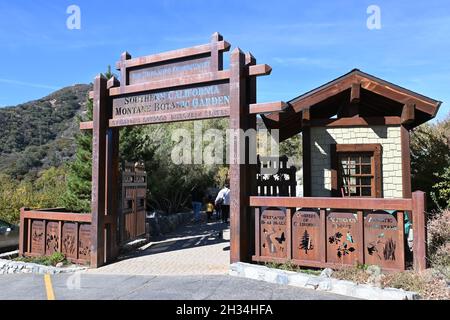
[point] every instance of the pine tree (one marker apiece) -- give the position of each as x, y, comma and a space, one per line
78, 192
77, 197
305, 243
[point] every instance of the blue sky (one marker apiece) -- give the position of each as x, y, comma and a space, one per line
307, 43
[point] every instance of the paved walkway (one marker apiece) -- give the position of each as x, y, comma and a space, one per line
194, 249
86, 286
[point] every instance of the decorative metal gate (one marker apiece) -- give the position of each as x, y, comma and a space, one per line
133, 203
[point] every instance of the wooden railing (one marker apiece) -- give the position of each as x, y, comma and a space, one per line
333, 232
43, 232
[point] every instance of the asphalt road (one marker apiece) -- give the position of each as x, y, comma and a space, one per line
84, 286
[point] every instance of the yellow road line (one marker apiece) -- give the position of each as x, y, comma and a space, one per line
49, 287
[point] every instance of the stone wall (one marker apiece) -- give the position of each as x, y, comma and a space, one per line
10, 266
160, 223
387, 136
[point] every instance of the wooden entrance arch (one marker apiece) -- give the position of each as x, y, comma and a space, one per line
185, 84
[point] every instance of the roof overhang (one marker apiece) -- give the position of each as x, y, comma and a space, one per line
374, 96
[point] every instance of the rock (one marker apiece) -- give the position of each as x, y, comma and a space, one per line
59, 265
373, 270
313, 282
326, 273
324, 285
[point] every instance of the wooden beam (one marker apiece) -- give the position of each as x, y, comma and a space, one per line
355, 94
100, 124
199, 114
216, 54
237, 174
306, 152
355, 121
53, 216
267, 107
408, 113
334, 203
112, 82
259, 70
171, 83
398, 95
171, 55
352, 110
406, 162
87, 125
306, 117
321, 94
419, 231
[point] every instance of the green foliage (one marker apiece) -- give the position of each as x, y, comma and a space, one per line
292, 148
77, 197
51, 260
169, 184
44, 192
430, 162
38, 134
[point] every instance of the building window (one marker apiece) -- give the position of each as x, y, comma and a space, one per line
356, 170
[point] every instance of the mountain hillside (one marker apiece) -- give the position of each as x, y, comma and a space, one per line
39, 134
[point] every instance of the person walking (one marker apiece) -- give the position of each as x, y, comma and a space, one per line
197, 198
209, 208
223, 197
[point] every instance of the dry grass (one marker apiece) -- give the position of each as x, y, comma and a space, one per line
430, 284
356, 274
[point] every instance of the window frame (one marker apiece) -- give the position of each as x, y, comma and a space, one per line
374, 148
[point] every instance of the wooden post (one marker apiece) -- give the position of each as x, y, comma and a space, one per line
306, 146
289, 233
123, 70
401, 239
22, 239
112, 179
323, 236
98, 171
216, 54
238, 184
406, 162
251, 154
419, 231
360, 249
257, 234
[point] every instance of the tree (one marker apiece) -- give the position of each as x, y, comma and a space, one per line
305, 243
430, 162
77, 197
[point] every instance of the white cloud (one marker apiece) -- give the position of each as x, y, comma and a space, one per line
28, 84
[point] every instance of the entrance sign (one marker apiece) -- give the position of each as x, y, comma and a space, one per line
198, 102
176, 69
179, 85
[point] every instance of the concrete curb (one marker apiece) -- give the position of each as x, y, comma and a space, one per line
10, 267
322, 283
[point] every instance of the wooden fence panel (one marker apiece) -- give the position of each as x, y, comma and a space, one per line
336, 232
48, 231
